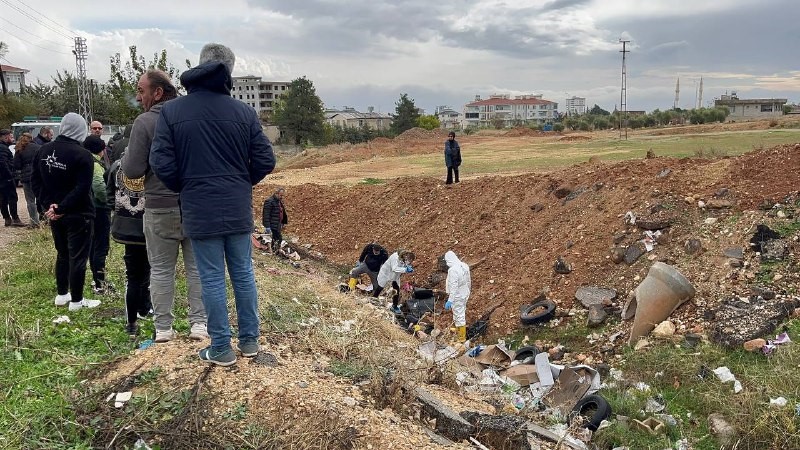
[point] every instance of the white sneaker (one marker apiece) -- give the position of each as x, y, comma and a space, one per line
199, 332
85, 303
165, 335
62, 300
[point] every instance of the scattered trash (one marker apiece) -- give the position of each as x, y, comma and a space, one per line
650, 238
140, 444
543, 370
650, 425
771, 345
345, 326
61, 319
654, 405
473, 352
495, 355
724, 374
145, 344
121, 398
630, 218
779, 402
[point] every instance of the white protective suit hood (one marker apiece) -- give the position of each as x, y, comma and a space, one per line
459, 281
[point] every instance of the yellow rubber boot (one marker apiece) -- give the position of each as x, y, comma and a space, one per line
462, 334
352, 283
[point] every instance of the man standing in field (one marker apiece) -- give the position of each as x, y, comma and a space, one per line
452, 157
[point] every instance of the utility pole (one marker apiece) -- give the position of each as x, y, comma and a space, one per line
84, 100
623, 95
700, 95
677, 94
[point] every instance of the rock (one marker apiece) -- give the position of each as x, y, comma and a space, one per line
642, 343
617, 255
656, 221
664, 330
762, 234
618, 238
710, 221
349, 401
691, 340
716, 203
734, 252
736, 263
302, 384
597, 315
754, 344
777, 277
763, 292
664, 173
723, 192
701, 204
593, 295
536, 207
633, 253
774, 250
736, 321
721, 429
563, 191
781, 214
562, 266
693, 246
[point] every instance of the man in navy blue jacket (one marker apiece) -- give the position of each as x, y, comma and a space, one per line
210, 148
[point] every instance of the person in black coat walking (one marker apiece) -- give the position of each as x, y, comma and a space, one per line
274, 217
8, 185
452, 157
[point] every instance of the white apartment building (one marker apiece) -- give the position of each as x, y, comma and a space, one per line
15, 78
574, 106
449, 118
522, 109
257, 93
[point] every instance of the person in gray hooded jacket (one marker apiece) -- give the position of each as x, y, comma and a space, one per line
163, 225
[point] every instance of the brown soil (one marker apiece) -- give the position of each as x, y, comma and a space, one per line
495, 219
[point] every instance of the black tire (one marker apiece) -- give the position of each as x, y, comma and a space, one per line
526, 352
596, 403
422, 294
541, 311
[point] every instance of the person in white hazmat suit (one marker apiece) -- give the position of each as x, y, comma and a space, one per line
399, 263
458, 285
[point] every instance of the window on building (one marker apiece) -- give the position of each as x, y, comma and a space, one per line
240, 96
283, 88
766, 108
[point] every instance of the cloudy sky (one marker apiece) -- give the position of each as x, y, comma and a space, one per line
367, 52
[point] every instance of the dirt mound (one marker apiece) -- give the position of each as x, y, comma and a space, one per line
575, 137
419, 134
518, 227
381, 141
524, 131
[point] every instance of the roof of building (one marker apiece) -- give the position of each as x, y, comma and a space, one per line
359, 115
740, 101
6, 68
510, 101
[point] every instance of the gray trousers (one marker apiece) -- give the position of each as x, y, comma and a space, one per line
362, 268
163, 233
30, 201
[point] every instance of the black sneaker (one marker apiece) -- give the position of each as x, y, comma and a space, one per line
132, 329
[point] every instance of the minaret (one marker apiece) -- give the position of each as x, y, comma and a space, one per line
677, 93
700, 97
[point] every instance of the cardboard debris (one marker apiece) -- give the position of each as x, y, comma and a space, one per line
543, 369
572, 385
496, 356
523, 374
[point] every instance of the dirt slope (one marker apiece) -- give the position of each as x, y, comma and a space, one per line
518, 226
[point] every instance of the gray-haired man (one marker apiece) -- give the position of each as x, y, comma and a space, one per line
211, 149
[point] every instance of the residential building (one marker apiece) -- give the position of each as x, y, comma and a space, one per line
15, 78
449, 118
574, 106
259, 94
756, 108
350, 118
521, 109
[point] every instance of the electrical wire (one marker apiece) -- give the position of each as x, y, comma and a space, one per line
36, 19
49, 19
26, 41
34, 34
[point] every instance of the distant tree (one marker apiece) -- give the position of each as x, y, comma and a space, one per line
13, 108
787, 109
299, 113
602, 123
598, 111
124, 78
405, 116
428, 122
3, 53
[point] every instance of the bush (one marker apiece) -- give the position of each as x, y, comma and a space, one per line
558, 127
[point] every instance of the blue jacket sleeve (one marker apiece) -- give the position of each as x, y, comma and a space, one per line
262, 158
163, 159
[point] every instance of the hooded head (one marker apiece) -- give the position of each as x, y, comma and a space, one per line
214, 71
451, 259
94, 144
73, 126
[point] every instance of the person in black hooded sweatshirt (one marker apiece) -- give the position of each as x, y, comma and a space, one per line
62, 181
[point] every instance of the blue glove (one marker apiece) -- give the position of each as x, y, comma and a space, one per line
409, 269
448, 305
267, 231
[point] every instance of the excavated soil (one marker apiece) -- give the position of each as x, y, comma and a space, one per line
517, 226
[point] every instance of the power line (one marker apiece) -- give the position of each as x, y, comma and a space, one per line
35, 45
33, 34
35, 19
49, 19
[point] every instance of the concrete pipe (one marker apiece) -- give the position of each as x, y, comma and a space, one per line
658, 295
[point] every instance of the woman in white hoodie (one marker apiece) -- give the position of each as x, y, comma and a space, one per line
458, 285
398, 264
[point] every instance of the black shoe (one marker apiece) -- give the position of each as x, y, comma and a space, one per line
132, 329
17, 223
8, 222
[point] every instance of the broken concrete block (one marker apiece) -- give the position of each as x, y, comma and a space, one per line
754, 345
448, 422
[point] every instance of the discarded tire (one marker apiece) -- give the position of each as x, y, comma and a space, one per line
421, 294
539, 312
526, 352
594, 408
